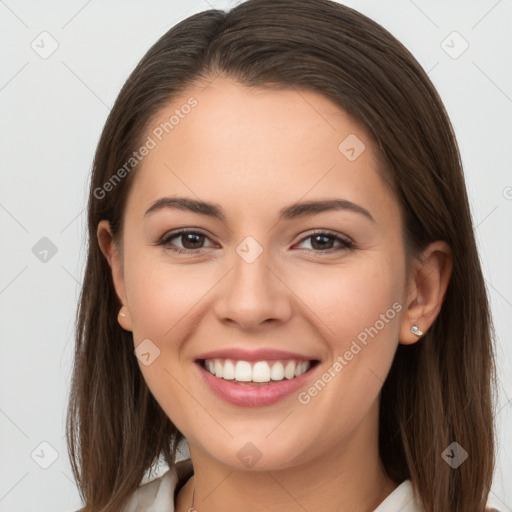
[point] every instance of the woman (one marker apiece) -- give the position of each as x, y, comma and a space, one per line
282, 270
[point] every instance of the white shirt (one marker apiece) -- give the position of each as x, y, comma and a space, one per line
158, 496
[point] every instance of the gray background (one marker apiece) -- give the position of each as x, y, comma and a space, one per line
52, 110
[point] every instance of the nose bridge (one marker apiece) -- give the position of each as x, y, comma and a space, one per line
253, 293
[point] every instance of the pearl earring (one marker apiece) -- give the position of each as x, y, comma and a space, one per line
415, 330
123, 318
122, 313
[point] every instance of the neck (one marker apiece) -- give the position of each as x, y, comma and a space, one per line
345, 478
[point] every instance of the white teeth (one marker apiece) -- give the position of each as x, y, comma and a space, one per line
228, 372
289, 370
277, 371
260, 371
243, 371
301, 368
218, 368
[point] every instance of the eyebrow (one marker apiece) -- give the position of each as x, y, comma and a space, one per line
292, 211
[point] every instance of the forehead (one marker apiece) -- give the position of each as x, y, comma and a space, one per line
252, 146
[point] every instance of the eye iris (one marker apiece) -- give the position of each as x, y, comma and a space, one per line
327, 245
195, 238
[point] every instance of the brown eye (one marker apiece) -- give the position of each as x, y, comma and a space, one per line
188, 241
192, 240
324, 242
319, 242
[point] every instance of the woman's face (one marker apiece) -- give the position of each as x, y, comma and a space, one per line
255, 279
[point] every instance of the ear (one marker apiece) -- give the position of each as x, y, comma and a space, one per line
426, 289
114, 259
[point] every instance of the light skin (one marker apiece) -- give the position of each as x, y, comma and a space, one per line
252, 152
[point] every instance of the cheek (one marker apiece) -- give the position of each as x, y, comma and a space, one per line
166, 303
163, 296
358, 312
371, 305
347, 301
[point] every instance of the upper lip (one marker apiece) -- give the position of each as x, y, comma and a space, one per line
261, 354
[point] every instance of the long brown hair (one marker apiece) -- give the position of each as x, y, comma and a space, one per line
439, 390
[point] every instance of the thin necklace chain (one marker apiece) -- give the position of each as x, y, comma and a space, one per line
192, 509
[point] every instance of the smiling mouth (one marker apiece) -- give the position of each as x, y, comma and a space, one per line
256, 373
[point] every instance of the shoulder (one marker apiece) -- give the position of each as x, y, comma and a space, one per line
158, 493
404, 498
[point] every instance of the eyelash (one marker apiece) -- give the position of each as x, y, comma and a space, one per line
346, 244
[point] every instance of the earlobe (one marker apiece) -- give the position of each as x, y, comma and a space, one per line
124, 319
428, 283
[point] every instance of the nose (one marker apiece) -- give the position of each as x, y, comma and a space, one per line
253, 295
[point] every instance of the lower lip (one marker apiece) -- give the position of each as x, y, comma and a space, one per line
253, 396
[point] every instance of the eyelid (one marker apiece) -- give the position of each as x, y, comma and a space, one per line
327, 232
